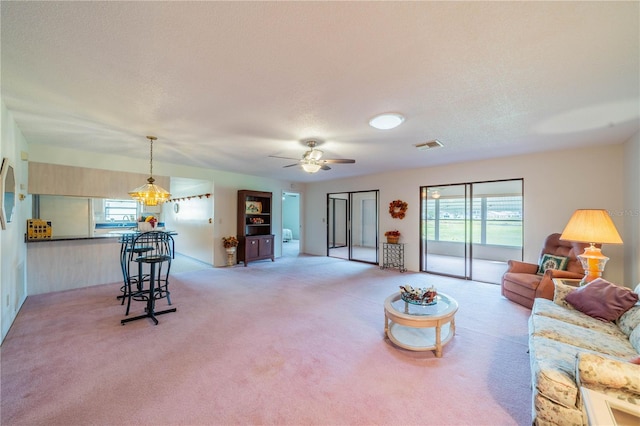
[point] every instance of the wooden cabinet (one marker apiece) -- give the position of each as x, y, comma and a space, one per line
255, 239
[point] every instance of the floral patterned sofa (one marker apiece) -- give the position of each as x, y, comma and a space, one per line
569, 349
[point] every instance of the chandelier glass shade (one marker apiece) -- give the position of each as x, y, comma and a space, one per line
150, 194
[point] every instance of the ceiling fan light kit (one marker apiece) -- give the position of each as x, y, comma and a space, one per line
311, 167
386, 121
312, 161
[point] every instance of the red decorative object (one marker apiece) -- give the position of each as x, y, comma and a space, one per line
397, 209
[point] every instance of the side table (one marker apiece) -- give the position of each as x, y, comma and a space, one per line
393, 256
602, 409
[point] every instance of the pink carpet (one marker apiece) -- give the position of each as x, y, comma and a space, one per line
296, 342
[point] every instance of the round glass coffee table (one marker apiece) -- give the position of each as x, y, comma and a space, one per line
420, 327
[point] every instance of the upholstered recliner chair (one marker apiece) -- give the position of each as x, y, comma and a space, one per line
521, 283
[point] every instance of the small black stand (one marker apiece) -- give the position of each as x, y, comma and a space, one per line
393, 256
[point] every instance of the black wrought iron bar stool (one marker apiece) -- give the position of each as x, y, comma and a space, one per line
136, 278
158, 259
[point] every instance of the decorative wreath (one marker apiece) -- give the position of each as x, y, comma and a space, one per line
397, 209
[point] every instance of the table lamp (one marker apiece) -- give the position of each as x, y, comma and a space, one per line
593, 227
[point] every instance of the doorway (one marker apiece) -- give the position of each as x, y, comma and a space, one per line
471, 230
352, 225
290, 224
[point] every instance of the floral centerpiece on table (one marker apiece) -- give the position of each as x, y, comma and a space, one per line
419, 296
229, 242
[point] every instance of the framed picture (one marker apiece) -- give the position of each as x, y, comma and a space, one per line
253, 207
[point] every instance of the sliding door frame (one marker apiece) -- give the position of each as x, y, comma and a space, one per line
469, 216
352, 197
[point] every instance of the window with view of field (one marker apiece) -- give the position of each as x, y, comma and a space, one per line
492, 220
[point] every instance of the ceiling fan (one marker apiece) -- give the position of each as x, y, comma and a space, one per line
312, 160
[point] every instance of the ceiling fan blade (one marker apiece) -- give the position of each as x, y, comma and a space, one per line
290, 165
340, 161
286, 158
325, 167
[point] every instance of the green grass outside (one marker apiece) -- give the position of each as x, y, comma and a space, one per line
499, 232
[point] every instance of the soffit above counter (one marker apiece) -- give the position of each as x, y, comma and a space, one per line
55, 179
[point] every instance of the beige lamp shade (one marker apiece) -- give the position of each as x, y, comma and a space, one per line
591, 226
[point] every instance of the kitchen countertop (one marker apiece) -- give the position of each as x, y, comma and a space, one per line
107, 236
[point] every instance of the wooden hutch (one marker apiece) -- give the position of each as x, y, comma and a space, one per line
255, 239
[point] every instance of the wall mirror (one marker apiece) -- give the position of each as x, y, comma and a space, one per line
7, 193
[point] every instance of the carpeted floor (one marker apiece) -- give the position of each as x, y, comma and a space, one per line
294, 342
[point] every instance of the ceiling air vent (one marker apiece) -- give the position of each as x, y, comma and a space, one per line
429, 145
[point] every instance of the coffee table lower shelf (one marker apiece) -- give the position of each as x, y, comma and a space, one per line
420, 339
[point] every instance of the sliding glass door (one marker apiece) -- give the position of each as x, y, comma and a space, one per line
352, 231
471, 230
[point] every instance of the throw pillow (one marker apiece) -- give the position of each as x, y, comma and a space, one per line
549, 261
629, 320
560, 295
602, 300
634, 339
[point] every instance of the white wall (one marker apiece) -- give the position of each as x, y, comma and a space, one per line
631, 231
555, 184
193, 221
12, 247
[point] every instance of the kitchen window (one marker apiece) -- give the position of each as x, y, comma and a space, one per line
120, 210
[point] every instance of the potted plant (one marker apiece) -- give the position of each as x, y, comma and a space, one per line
230, 242
392, 236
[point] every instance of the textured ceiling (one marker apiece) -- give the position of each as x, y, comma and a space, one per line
226, 84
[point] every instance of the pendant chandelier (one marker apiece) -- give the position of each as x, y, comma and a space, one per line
150, 194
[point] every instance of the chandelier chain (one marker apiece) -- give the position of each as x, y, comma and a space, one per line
151, 160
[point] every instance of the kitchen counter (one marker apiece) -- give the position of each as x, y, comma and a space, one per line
117, 232
69, 263
74, 238
66, 263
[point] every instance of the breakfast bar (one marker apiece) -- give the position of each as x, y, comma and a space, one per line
66, 263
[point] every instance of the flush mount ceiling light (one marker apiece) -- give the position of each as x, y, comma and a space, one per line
386, 121
150, 194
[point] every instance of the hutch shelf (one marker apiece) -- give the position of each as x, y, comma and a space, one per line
255, 238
